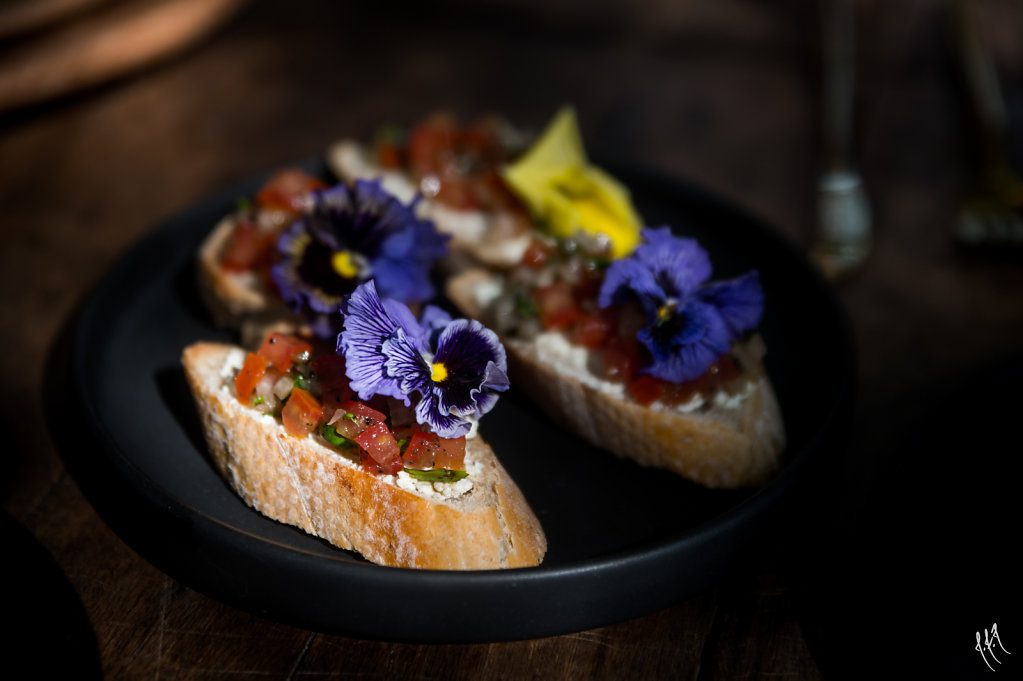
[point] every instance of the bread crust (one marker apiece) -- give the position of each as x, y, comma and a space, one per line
305, 483
715, 445
235, 300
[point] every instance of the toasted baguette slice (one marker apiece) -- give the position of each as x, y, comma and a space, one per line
232, 298
306, 483
493, 239
723, 441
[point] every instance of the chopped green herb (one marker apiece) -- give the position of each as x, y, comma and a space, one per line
403, 444
300, 382
524, 305
258, 400
331, 435
436, 475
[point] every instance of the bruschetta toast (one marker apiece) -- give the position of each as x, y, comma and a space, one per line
717, 424
286, 257
456, 170
392, 468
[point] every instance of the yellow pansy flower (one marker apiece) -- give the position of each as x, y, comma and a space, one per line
566, 194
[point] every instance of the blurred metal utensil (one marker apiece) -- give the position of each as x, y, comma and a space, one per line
993, 217
842, 237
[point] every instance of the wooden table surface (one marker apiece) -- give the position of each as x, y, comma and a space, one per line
898, 572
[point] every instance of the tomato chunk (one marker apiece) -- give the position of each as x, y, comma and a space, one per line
592, 329
422, 450
358, 417
249, 376
646, 389
286, 190
302, 413
248, 248
281, 349
452, 454
622, 358
379, 443
428, 450
556, 305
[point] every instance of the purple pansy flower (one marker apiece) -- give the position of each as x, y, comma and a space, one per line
453, 369
349, 235
690, 321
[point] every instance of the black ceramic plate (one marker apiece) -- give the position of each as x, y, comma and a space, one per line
623, 540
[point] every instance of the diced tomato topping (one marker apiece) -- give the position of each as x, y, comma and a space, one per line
281, 349
334, 384
646, 389
389, 155
248, 248
680, 393
535, 255
556, 305
286, 190
379, 443
622, 358
249, 376
593, 329
358, 417
431, 145
724, 369
422, 451
302, 413
427, 450
452, 454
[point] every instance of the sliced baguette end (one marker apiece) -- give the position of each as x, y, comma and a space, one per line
717, 447
305, 483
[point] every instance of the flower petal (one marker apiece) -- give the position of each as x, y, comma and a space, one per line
366, 326
630, 279
684, 346
679, 265
739, 301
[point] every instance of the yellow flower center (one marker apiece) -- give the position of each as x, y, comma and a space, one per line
665, 311
344, 264
439, 372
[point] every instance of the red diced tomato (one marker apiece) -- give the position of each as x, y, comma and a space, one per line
379, 443
593, 329
622, 359
302, 413
723, 370
646, 389
334, 384
286, 190
364, 415
249, 376
389, 155
247, 248
431, 145
422, 450
556, 305
680, 393
281, 349
535, 255
452, 454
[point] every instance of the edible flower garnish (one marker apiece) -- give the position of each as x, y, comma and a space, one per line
690, 322
567, 194
452, 369
349, 235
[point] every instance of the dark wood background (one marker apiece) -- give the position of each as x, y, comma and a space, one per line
897, 574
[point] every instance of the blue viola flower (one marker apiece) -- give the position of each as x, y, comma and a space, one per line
690, 322
349, 235
452, 369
